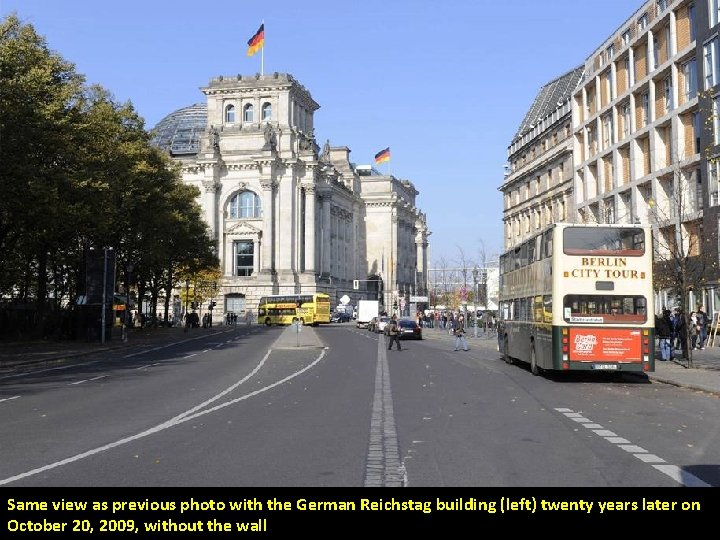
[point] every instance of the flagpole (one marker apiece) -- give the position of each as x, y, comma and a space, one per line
262, 52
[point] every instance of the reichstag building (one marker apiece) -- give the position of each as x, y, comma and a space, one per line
288, 216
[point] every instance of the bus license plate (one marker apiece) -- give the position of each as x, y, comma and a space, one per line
604, 366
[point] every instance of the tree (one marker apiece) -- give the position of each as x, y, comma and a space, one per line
683, 261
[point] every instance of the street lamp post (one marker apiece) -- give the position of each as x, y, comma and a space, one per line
475, 294
128, 319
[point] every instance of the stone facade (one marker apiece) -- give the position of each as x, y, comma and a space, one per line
288, 216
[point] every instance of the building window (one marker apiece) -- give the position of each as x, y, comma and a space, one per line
690, 75
691, 19
625, 112
713, 174
645, 100
661, 5
714, 9
625, 37
248, 113
245, 205
267, 111
244, 255
642, 21
696, 122
607, 130
229, 114
610, 52
667, 83
716, 120
710, 52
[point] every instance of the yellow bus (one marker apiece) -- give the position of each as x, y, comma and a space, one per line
283, 309
578, 297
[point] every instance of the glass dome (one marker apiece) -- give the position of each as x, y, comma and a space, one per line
179, 132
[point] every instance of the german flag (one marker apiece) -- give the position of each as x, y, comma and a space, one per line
382, 156
256, 42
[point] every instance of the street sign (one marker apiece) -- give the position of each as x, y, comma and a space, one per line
419, 299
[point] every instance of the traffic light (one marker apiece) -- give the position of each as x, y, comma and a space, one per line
395, 304
192, 305
212, 305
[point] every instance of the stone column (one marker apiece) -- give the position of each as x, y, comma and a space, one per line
268, 235
326, 233
310, 229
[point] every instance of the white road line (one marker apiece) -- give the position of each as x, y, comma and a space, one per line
179, 419
78, 382
9, 398
98, 377
673, 471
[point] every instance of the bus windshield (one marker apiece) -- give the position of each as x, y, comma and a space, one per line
627, 242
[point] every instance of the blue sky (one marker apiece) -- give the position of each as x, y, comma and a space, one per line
444, 84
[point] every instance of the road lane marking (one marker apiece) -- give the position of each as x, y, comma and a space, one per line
179, 419
9, 398
673, 471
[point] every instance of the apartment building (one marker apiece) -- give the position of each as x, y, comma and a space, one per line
646, 129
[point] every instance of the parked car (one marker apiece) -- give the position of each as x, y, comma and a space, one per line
409, 329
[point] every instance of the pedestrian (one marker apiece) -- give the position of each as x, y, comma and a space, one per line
702, 322
393, 332
693, 331
459, 332
663, 330
682, 332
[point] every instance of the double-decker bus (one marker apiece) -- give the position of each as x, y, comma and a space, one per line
310, 309
579, 297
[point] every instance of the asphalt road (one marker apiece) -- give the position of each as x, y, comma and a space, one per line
241, 409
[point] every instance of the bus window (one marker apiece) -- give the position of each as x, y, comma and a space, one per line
598, 309
626, 242
547, 244
538, 309
531, 251
547, 308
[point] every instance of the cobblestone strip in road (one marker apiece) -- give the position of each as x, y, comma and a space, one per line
384, 467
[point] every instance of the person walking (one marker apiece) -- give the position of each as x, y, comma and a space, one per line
693, 331
459, 332
394, 333
702, 323
663, 329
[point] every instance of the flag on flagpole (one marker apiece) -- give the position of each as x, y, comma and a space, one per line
256, 42
382, 156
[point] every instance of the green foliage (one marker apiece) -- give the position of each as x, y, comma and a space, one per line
79, 171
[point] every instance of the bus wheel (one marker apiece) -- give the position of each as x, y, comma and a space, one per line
267, 321
294, 320
506, 353
534, 369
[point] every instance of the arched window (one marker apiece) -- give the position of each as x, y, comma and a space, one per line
248, 113
229, 114
244, 205
267, 111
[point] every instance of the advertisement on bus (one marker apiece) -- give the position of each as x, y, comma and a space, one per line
605, 345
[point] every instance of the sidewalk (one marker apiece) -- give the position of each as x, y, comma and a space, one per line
703, 376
